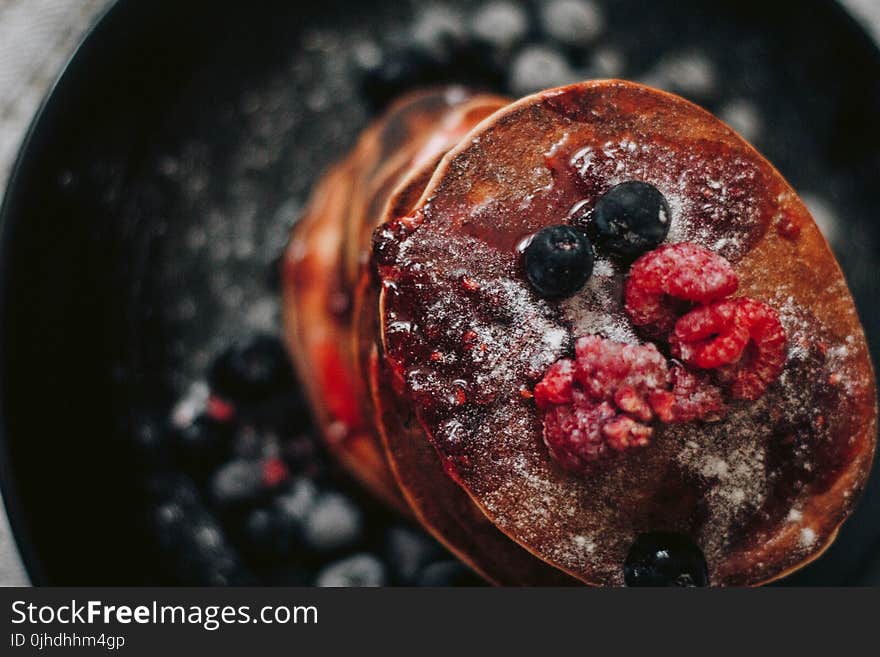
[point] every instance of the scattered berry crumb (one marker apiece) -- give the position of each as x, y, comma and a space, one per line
220, 409
275, 472
788, 226
469, 284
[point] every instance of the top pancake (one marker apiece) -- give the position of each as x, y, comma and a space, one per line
761, 491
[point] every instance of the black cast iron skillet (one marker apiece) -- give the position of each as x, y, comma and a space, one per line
177, 116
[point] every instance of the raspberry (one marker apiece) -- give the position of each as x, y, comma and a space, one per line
788, 226
628, 400
604, 368
573, 433
599, 403
623, 432
765, 356
555, 387
684, 272
275, 472
219, 409
710, 336
605, 400
742, 338
694, 397
663, 404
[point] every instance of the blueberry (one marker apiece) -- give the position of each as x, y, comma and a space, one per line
631, 218
204, 440
207, 557
260, 527
558, 261
295, 505
538, 67
408, 64
665, 559
439, 30
357, 570
252, 371
448, 573
265, 534
150, 438
169, 520
402, 66
194, 546
572, 22
174, 487
236, 482
689, 73
408, 551
333, 523
501, 24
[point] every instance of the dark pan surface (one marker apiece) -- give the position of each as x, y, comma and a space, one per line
160, 180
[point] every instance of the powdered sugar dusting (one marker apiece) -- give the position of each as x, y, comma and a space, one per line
479, 336
731, 463
807, 536
598, 308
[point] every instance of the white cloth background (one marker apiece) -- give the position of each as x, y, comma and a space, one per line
36, 37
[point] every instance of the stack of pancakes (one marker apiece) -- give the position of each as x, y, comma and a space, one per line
442, 190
